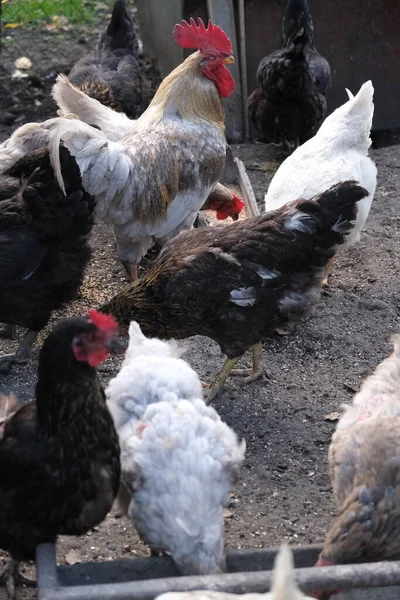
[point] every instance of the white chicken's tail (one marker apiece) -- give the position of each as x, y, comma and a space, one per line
24, 140
71, 100
350, 124
284, 586
85, 144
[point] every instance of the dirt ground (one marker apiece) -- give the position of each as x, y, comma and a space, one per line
284, 492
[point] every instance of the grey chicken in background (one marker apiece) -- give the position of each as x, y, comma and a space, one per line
111, 74
289, 103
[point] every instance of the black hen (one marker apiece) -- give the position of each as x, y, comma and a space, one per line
59, 456
239, 283
111, 74
289, 104
43, 244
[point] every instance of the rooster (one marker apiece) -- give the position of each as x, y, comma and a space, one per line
290, 102
338, 151
241, 282
44, 245
111, 74
151, 183
364, 467
59, 454
178, 459
283, 585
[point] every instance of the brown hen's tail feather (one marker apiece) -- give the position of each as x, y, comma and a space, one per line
332, 213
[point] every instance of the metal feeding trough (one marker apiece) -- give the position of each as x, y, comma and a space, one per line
248, 571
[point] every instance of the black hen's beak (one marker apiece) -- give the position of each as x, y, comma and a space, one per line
115, 345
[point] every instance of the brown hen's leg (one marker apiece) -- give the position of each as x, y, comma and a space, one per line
131, 270
11, 578
22, 355
218, 382
328, 268
258, 369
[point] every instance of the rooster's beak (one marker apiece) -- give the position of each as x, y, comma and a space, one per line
229, 60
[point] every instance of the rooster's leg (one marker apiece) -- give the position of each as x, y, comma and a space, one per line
22, 355
328, 268
11, 577
258, 369
7, 331
218, 382
131, 270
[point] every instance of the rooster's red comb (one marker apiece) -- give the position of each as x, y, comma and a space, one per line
190, 35
102, 321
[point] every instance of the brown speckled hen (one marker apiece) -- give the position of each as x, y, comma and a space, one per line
239, 283
59, 456
365, 472
111, 74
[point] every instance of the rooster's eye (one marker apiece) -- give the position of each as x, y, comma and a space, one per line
211, 58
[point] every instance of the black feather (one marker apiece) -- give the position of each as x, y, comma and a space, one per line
59, 457
111, 74
43, 239
290, 102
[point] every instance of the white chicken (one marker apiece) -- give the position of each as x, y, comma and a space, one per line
338, 152
151, 369
283, 586
179, 462
178, 459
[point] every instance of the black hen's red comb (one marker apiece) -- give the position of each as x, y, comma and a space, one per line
190, 35
102, 321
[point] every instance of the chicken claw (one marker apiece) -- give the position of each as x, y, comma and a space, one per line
11, 577
258, 371
21, 356
218, 382
328, 268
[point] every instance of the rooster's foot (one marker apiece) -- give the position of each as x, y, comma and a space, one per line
11, 578
131, 270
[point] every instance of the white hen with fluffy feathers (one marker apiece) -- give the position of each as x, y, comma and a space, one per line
338, 152
179, 463
151, 369
178, 459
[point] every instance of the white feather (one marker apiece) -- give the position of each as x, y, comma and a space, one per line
72, 101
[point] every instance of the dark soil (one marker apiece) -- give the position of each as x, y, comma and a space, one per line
284, 492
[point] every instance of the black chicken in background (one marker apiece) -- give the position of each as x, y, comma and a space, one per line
111, 74
289, 104
43, 245
59, 454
